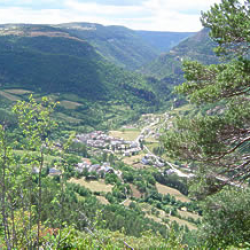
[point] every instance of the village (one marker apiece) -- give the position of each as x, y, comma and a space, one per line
106, 143
99, 143
109, 144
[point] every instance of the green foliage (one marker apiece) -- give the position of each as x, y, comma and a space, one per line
20, 187
226, 219
216, 142
119, 45
39, 210
134, 223
111, 179
229, 24
168, 67
106, 240
172, 181
69, 69
7, 118
128, 176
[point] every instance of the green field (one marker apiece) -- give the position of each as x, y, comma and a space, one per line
69, 104
18, 91
162, 189
48, 158
10, 97
94, 186
128, 135
161, 216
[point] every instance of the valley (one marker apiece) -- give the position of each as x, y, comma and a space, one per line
130, 145
118, 117
98, 154
130, 148
114, 138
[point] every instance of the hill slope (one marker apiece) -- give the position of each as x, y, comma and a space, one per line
50, 61
164, 41
117, 44
168, 66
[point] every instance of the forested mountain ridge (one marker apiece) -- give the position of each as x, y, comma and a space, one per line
49, 61
125, 47
119, 45
122, 46
68, 59
168, 66
59, 64
164, 41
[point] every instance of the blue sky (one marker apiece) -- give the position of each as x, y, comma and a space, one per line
157, 15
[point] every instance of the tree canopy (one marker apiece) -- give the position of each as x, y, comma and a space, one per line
217, 141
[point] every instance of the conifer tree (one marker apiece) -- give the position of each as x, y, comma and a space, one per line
218, 141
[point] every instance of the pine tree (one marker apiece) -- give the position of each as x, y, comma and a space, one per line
218, 141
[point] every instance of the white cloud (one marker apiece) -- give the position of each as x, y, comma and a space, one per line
162, 15
95, 8
48, 16
177, 15
180, 5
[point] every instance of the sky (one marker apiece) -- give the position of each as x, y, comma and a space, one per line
155, 15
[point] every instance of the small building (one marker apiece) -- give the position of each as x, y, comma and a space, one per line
54, 171
107, 169
87, 161
135, 151
115, 144
157, 136
98, 143
160, 164
169, 171
145, 160
59, 145
106, 164
107, 150
127, 153
90, 143
35, 170
94, 167
134, 144
81, 166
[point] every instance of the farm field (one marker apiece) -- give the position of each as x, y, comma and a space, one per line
163, 215
133, 159
129, 135
94, 186
186, 214
135, 192
174, 192
182, 222
18, 91
69, 104
10, 97
48, 158
103, 200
